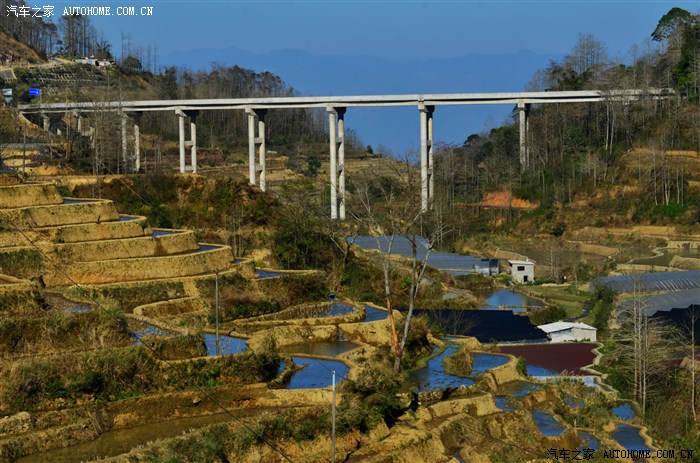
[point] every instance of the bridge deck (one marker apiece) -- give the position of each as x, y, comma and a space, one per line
353, 101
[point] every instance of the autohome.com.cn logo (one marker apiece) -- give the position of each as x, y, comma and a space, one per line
24, 11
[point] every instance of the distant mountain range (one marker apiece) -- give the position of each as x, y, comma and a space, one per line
396, 128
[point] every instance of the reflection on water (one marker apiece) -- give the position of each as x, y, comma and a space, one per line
373, 315
323, 348
157, 233
148, 330
520, 388
667, 256
628, 436
504, 298
589, 440
316, 373
504, 403
483, 362
124, 218
433, 376
484, 325
77, 201
547, 424
267, 274
227, 344
534, 370
625, 412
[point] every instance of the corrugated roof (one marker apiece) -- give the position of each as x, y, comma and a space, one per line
650, 282
521, 262
562, 326
663, 302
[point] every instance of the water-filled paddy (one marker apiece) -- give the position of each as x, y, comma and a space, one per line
503, 298
373, 315
628, 436
323, 348
547, 424
483, 362
589, 440
78, 201
227, 344
485, 325
504, 403
624, 412
262, 274
433, 376
157, 233
316, 373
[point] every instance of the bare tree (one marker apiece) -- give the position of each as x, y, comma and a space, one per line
389, 208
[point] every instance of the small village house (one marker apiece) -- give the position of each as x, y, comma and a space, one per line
569, 332
523, 271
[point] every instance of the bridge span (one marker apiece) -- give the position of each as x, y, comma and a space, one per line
336, 106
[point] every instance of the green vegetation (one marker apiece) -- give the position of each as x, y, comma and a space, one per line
602, 305
550, 314
23, 263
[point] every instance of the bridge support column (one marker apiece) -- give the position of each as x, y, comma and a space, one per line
193, 139
136, 120
251, 145
523, 113
427, 184
124, 142
332, 138
258, 142
262, 149
341, 162
181, 130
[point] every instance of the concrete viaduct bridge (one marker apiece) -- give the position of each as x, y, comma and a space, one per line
336, 106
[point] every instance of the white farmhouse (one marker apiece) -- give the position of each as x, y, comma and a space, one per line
523, 271
569, 331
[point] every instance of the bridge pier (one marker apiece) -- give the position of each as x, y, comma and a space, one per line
427, 183
524, 122
258, 142
192, 143
136, 120
193, 139
341, 162
124, 141
336, 138
181, 132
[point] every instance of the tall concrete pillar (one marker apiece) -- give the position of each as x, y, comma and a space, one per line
137, 143
47, 122
251, 145
262, 149
193, 138
423, 157
523, 110
181, 128
333, 164
124, 142
341, 162
431, 147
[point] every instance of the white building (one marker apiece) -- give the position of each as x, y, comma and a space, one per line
523, 271
569, 331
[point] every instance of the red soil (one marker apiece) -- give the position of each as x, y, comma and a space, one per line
570, 357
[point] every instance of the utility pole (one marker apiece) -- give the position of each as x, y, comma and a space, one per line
218, 350
333, 425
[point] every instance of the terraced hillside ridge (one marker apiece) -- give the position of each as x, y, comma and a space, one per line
69, 241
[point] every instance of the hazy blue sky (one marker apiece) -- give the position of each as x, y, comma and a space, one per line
387, 29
